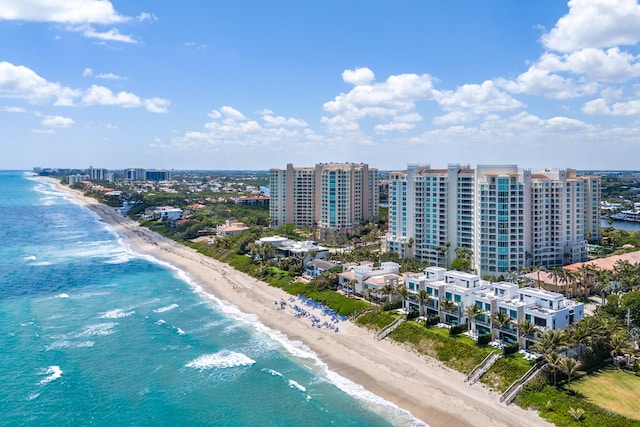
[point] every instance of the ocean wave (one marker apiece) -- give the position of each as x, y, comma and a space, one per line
41, 263
63, 295
166, 308
116, 314
99, 329
274, 372
69, 344
29, 258
296, 385
223, 359
54, 373
119, 259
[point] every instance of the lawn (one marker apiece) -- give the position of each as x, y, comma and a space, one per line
612, 389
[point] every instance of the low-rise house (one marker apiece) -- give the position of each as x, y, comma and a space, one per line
353, 277
231, 228
304, 251
167, 213
319, 266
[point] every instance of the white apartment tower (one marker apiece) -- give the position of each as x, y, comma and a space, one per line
329, 195
506, 217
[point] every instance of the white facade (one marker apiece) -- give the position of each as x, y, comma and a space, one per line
504, 217
544, 309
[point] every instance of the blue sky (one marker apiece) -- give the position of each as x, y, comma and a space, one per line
258, 84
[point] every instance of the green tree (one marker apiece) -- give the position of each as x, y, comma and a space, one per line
473, 312
501, 319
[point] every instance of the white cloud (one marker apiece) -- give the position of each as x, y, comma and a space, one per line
611, 65
397, 95
540, 81
231, 128
100, 95
400, 123
231, 113
455, 117
13, 110
478, 99
595, 23
600, 107
109, 35
145, 16
87, 72
110, 76
44, 131
359, 76
271, 120
57, 121
22, 83
61, 11
157, 105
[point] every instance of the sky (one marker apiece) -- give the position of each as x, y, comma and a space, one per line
254, 85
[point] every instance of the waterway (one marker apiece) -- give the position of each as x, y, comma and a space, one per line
621, 225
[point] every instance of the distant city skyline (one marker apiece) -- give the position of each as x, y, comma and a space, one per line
254, 85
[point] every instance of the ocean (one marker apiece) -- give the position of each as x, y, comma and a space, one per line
93, 334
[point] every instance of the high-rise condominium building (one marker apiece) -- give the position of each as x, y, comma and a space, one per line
501, 217
329, 195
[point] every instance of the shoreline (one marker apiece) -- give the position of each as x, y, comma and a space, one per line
424, 387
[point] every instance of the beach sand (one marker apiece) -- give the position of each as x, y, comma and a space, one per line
421, 385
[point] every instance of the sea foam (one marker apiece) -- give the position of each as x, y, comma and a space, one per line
223, 359
165, 309
53, 372
116, 314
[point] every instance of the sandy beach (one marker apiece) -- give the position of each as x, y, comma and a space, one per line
423, 386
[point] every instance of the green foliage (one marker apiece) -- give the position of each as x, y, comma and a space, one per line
387, 306
484, 339
432, 321
511, 349
458, 329
554, 405
413, 314
505, 372
376, 319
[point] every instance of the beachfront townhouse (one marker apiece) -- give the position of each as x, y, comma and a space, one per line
501, 306
447, 293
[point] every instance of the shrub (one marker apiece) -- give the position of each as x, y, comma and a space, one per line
413, 314
484, 339
432, 321
458, 329
388, 306
511, 348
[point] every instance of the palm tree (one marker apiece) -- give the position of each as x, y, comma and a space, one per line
422, 297
387, 290
473, 312
587, 273
556, 273
527, 329
402, 292
576, 413
351, 286
502, 319
619, 344
553, 361
551, 340
537, 269
448, 305
569, 366
569, 278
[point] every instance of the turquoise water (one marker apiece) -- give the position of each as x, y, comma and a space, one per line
91, 334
